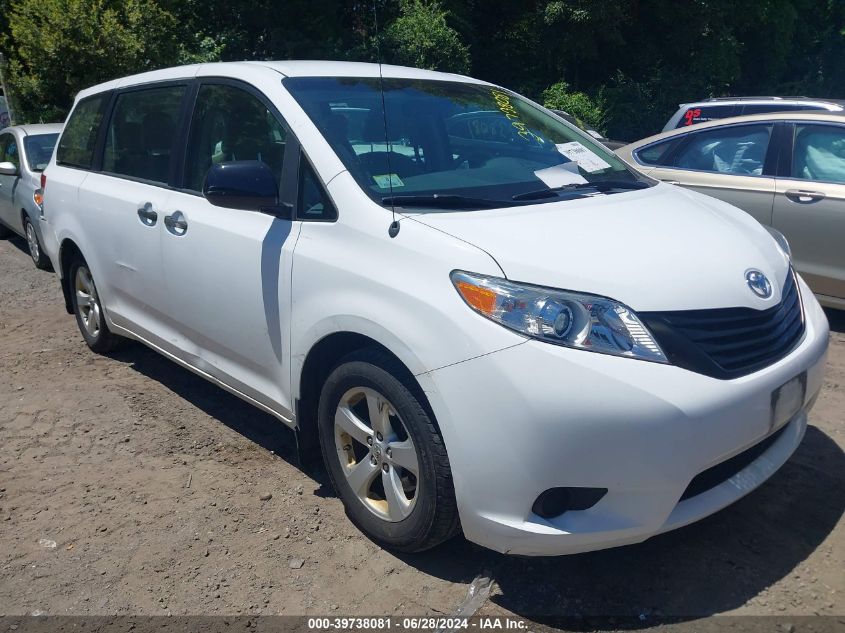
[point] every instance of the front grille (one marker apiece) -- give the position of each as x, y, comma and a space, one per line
730, 342
712, 477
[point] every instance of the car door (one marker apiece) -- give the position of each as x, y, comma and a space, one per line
124, 201
9, 152
809, 205
228, 270
729, 162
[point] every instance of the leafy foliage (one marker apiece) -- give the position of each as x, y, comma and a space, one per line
621, 65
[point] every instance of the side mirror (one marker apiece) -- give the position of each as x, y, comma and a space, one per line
249, 185
8, 169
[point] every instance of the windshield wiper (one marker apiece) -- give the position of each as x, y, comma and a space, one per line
442, 201
599, 185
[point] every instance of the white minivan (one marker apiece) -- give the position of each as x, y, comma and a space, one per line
485, 320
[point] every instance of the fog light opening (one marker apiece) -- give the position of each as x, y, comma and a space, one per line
555, 501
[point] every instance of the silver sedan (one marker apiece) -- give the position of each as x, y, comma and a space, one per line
24, 152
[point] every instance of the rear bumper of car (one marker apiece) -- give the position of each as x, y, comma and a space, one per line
536, 416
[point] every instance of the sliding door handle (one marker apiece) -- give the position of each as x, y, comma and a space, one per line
147, 215
176, 223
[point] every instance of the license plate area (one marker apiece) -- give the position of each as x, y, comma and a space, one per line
787, 400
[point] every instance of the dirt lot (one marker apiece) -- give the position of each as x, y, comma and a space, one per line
149, 481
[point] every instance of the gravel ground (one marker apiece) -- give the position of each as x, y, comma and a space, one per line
130, 486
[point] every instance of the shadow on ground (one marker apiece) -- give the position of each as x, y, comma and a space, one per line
836, 319
710, 567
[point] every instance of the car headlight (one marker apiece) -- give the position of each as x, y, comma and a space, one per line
781, 240
572, 319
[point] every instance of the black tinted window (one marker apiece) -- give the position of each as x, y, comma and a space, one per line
230, 125
314, 202
739, 149
76, 147
141, 133
775, 107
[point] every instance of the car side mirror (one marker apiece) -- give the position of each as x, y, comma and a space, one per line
8, 168
248, 184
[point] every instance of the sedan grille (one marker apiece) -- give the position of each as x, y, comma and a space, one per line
730, 342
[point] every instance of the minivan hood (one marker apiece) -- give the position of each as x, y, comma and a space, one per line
662, 248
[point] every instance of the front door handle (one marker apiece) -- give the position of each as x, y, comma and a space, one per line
176, 223
147, 215
804, 197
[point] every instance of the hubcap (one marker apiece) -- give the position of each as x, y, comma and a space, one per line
376, 454
87, 302
32, 241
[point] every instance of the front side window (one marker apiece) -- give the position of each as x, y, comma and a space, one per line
11, 153
443, 138
230, 125
76, 146
141, 133
819, 153
39, 149
737, 149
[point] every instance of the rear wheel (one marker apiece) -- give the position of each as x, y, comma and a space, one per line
89, 310
385, 455
39, 258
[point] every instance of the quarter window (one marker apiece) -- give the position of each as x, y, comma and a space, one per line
76, 147
142, 132
231, 125
737, 149
819, 153
314, 202
655, 154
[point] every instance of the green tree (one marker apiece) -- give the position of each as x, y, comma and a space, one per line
421, 37
580, 105
62, 46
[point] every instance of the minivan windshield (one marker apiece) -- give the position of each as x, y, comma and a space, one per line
39, 150
454, 144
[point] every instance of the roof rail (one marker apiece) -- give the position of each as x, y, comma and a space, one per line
759, 98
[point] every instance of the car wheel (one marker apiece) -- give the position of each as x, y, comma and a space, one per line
39, 258
89, 310
385, 455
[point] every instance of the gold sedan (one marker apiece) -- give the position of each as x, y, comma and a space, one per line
785, 169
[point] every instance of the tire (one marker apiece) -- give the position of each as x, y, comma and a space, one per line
404, 437
95, 332
39, 258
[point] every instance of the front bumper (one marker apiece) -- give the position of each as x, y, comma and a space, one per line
537, 416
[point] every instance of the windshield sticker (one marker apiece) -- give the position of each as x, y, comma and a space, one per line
586, 159
503, 102
386, 181
560, 175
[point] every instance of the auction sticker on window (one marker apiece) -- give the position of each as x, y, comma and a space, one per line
385, 181
586, 159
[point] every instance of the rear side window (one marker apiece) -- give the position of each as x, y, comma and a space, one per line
39, 149
10, 151
230, 125
141, 133
774, 107
701, 114
76, 147
735, 149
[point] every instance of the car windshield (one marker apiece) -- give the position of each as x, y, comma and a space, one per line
39, 149
453, 141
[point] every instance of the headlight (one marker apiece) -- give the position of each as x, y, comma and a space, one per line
781, 241
564, 318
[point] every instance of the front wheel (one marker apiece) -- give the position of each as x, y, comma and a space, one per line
39, 258
89, 310
385, 455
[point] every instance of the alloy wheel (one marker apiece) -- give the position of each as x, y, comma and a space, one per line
32, 242
87, 302
377, 454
